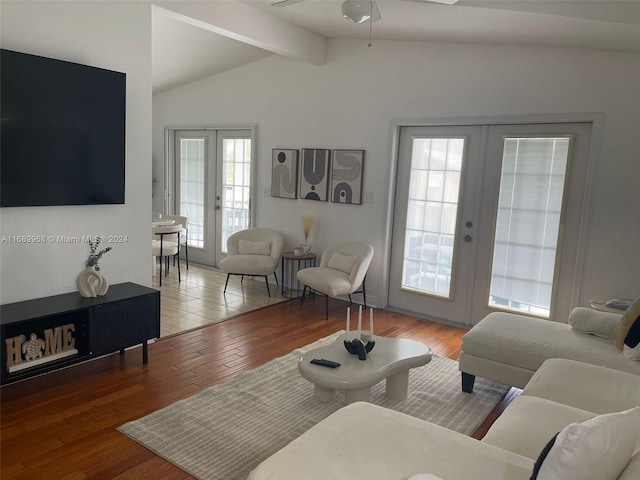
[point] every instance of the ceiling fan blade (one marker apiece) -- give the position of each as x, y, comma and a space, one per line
446, 2
286, 3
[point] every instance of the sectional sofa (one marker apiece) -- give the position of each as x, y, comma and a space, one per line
575, 418
364, 441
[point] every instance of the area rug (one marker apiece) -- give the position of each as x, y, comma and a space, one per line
226, 430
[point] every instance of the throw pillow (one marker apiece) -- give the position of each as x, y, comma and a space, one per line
246, 247
344, 263
629, 327
593, 322
598, 448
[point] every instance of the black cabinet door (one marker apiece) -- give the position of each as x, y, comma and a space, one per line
118, 325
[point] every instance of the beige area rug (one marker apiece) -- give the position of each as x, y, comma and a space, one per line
226, 430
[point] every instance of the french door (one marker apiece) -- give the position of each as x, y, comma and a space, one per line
486, 218
212, 187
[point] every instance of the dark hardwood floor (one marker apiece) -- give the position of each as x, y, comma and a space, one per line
63, 425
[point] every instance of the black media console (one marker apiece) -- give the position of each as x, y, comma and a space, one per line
46, 334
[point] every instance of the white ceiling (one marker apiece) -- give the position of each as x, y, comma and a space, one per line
196, 39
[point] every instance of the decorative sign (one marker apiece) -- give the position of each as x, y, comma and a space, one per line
58, 342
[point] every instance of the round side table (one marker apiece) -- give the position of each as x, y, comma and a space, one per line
600, 306
291, 264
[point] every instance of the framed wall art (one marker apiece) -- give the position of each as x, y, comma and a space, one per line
314, 173
284, 173
346, 176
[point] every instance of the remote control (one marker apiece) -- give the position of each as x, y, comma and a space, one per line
325, 363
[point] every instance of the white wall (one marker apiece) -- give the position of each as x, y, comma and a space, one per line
350, 101
112, 35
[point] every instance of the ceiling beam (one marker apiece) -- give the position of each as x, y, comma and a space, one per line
246, 24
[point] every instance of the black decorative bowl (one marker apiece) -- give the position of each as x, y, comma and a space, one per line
357, 347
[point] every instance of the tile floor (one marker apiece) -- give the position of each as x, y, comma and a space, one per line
198, 299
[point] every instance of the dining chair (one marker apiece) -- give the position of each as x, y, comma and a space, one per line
254, 252
342, 271
165, 243
184, 234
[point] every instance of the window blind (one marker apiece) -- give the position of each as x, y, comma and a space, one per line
528, 223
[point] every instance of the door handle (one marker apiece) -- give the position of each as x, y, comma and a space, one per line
467, 238
217, 207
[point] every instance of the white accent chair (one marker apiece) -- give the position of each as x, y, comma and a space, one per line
342, 271
254, 252
184, 234
165, 243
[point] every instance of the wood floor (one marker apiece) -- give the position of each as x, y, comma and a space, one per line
63, 425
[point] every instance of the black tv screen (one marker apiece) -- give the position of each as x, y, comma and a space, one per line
62, 137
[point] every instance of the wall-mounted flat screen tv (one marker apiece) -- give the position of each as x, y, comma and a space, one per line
62, 135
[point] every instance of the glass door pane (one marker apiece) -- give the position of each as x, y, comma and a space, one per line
236, 191
528, 223
431, 267
432, 214
488, 218
213, 188
192, 187
532, 209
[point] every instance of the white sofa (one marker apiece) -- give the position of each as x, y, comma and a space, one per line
370, 442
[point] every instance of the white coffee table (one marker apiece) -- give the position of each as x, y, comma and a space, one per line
391, 358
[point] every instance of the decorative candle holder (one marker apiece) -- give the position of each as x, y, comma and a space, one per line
357, 347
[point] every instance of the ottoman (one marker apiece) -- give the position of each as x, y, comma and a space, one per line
509, 348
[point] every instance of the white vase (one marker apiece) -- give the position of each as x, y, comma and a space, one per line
91, 283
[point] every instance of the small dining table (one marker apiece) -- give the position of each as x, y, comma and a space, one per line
162, 223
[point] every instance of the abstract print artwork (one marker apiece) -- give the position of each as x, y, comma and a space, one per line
346, 176
314, 174
284, 173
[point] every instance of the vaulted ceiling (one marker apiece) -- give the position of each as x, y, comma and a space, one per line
196, 39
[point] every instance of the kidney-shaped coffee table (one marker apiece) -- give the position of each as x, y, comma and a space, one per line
391, 358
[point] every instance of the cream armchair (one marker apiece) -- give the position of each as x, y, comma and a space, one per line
342, 271
254, 252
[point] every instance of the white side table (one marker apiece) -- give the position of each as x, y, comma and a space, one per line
291, 265
390, 359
